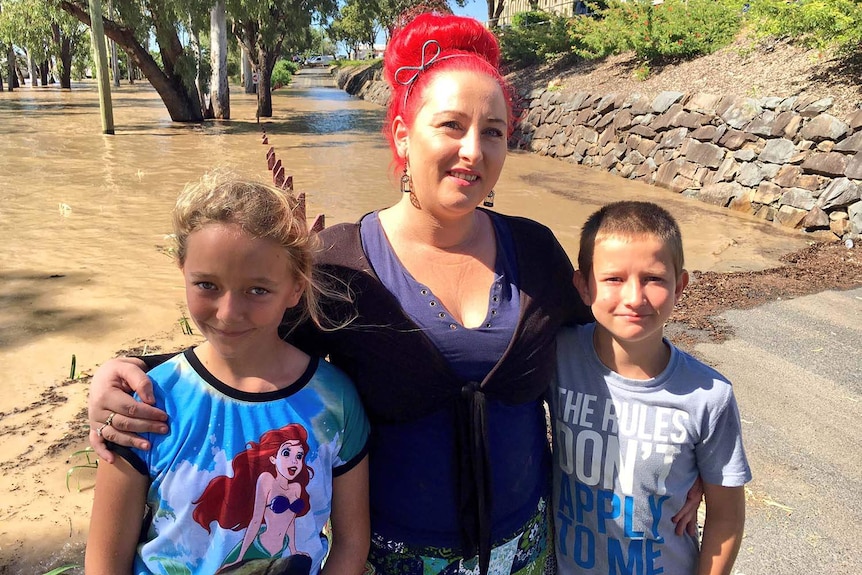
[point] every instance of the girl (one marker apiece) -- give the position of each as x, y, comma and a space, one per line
217, 499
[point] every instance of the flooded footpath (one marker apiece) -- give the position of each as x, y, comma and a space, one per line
84, 269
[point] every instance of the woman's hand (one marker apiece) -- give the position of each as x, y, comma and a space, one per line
686, 518
110, 391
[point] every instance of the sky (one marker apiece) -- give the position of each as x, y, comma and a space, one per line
476, 8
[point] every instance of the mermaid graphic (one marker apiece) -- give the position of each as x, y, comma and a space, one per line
275, 471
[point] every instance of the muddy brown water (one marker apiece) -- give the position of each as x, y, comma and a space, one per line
83, 268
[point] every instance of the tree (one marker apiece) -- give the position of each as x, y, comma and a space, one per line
393, 12
495, 9
356, 24
219, 90
44, 32
264, 27
68, 35
137, 20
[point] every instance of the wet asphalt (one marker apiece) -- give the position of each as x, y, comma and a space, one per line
796, 367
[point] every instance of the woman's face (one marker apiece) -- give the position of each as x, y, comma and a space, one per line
456, 147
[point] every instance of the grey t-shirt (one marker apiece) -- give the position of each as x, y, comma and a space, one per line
626, 452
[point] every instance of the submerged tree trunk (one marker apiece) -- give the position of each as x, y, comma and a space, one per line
64, 47
219, 88
46, 71
206, 108
180, 98
115, 61
10, 67
265, 64
247, 82
31, 68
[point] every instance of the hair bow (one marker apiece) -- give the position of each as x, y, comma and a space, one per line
423, 65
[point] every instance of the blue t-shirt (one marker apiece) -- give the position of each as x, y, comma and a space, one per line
627, 451
306, 433
426, 484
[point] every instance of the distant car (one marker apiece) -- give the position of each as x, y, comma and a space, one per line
325, 60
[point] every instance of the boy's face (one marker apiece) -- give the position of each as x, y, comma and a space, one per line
632, 287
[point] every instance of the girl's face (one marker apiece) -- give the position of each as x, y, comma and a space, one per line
238, 288
289, 459
456, 147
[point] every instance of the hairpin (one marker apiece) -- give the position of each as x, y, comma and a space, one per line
423, 65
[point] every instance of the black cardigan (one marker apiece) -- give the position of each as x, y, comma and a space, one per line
401, 376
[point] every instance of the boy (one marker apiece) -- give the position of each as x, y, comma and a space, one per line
635, 419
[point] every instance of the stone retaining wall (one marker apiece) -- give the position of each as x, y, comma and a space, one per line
785, 160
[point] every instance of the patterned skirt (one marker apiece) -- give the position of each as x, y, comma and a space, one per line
529, 552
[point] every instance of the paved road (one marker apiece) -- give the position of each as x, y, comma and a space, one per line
796, 366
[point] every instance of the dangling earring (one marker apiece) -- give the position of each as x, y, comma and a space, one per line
488, 202
405, 182
407, 188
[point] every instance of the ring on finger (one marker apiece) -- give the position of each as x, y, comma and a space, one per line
101, 427
110, 419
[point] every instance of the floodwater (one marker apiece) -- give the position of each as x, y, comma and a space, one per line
83, 269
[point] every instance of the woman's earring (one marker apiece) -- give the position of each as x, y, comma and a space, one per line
405, 182
489, 200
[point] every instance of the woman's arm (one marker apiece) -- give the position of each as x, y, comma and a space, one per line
722, 529
351, 526
110, 391
115, 523
686, 517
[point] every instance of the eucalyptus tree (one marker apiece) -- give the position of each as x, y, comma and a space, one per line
172, 71
356, 16
263, 28
44, 31
219, 89
356, 23
495, 10
8, 33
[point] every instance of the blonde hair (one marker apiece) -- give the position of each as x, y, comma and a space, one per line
261, 211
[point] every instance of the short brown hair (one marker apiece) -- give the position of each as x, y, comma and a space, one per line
630, 219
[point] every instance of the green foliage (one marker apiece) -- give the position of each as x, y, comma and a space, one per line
673, 29
534, 37
283, 73
92, 462
185, 325
815, 23
356, 23
641, 73
62, 569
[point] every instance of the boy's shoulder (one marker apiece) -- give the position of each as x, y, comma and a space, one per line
691, 364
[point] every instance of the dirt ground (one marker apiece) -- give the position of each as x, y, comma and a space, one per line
820, 267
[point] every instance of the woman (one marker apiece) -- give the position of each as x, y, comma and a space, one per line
457, 307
